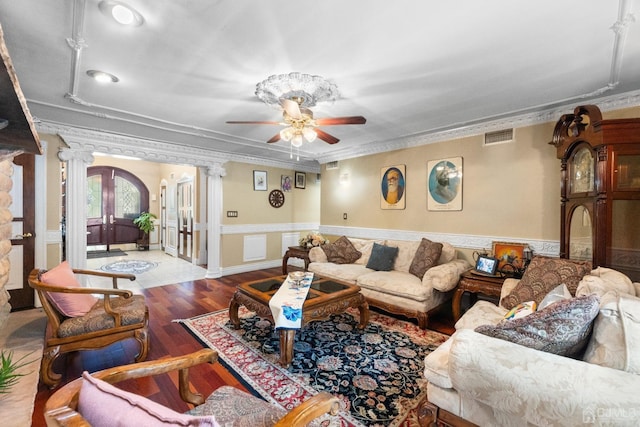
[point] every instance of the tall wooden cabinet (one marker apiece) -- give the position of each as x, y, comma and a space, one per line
600, 189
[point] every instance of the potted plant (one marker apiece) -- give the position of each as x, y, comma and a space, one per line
145, 224
8, 368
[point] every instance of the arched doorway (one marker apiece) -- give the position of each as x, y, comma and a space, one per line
114, 198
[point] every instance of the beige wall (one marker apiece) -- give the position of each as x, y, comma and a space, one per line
300, 206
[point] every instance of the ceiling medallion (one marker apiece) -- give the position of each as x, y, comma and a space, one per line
305, 88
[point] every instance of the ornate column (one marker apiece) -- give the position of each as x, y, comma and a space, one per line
76, 205
214, 214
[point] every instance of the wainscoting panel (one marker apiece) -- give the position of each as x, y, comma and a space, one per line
255, 247
291, 239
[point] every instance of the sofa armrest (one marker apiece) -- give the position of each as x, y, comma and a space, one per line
541, 388
316, 254
445, 277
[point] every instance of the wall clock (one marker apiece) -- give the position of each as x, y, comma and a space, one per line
276, 198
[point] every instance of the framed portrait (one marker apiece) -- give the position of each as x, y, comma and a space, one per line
260, 180
509, 253
444, 184
301, 179
392, 187
286, 183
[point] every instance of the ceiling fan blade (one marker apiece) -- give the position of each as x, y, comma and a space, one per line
326, 137
275, 138
239, 122
352, 120
291, 107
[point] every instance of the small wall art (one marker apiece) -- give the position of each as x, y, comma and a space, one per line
301, 180
514, 254
392, 187
260, 180
444, 184
286, 183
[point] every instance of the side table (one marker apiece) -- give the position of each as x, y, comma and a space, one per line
295, 252
476, 284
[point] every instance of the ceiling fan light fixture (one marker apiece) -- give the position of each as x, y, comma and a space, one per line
296, 141
309, 134
286, 134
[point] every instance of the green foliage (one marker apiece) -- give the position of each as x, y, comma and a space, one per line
8, 368
145, 222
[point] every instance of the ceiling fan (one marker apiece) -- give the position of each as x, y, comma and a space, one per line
300, 124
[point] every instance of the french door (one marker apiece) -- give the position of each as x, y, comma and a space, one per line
115, 198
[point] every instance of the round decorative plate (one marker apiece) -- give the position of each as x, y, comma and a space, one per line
276, 198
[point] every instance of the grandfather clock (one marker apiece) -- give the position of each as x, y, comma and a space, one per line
600, 189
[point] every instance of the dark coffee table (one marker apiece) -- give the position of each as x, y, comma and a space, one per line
326, 297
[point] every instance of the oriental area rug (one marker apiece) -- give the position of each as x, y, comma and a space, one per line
377, 373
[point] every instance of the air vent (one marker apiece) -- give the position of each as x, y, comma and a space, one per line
332, 165
498, 136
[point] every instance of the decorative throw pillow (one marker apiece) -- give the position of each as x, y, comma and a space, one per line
71, 305
521, 310
612, 343
341, 251
562, 328
382, 257
542, 275
426, 257
102, 404
558, 293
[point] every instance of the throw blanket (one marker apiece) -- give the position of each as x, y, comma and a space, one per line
286, 303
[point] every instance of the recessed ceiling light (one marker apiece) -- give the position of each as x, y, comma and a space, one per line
102, 77
121, 12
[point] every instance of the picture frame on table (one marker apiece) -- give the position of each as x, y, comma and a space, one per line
300, 180
260, 180
510, 253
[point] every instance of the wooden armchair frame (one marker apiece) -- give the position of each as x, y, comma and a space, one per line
61, 408
56, 345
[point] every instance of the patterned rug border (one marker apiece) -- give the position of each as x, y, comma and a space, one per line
149, 265
307, 391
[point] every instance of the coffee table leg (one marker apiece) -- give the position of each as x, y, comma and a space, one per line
287, 336
233, 312
364, 314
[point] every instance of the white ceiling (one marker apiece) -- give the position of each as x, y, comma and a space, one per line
415, 69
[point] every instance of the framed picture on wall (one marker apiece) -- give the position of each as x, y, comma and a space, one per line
444, 184
301, 180
392, 186
510, 253
285, 182
260, 180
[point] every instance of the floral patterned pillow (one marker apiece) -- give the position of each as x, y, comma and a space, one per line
542, 275
563, 328
341, 251
426, 257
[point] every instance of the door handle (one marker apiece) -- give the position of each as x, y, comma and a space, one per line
111, 220
104, 219
25, 235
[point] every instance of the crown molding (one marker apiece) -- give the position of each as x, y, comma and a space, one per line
158, 151
513, 119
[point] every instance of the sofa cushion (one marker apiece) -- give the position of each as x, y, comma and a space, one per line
102, 404
71, 305
448, 253
542, 275
341, 251
395, 283
556, 294
382, 257
364, 246
562, 328
602, 280
406, 252
482, 313
615, 341
345, 272
436, 365
426, 256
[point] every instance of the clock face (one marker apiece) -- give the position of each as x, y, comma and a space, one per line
276, 198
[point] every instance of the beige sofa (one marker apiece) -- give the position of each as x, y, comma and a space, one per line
396, 291
491, 381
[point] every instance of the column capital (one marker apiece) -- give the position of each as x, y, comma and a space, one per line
66, 154
216, 170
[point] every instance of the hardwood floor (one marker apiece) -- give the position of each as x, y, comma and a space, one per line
166, 303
